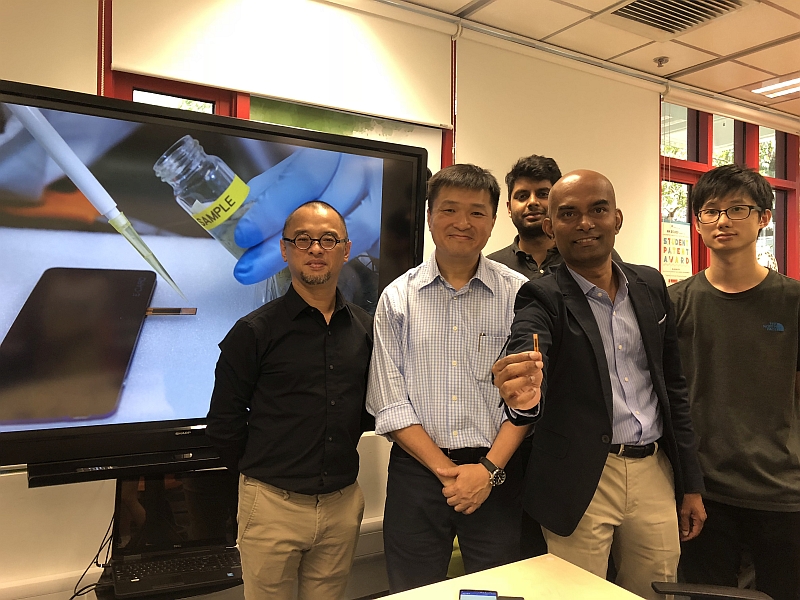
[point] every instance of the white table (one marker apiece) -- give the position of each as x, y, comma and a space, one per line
541, 578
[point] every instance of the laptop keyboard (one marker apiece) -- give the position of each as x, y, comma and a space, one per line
183, 564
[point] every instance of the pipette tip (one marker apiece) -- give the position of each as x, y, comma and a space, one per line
124, 227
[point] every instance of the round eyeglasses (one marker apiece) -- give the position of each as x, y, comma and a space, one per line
739, 212
304, 241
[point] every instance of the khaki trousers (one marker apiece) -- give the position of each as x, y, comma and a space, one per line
286, 537
634, 506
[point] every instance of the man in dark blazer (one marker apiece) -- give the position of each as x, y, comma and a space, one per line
613, 450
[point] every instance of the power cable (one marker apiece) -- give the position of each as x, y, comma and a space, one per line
104, 545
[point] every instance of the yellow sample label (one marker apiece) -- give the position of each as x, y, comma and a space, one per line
223, 207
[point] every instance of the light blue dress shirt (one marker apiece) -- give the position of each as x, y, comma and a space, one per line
433, 353
637, 418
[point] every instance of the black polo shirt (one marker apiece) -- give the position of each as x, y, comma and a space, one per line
522, 262
288, 401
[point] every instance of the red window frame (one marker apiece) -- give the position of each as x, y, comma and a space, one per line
700, 129
226, 102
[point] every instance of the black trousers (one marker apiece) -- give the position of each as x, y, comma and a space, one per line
419, 525
773, 539
532, 542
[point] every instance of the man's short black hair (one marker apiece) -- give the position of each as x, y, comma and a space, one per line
317, 203
534, 167
726, 180
465, 177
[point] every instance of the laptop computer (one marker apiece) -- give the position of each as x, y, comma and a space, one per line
174, 532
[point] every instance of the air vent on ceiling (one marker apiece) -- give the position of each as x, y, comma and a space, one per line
663, 20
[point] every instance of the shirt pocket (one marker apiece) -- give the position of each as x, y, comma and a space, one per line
484, 353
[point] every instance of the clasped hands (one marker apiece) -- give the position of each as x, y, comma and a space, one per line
466, 487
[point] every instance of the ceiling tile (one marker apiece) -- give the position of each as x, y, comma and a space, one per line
753, 25
790, 5
531, 18
726, 76
594, 6
597, 39
790, 106
680, 57
448, 6
781, 59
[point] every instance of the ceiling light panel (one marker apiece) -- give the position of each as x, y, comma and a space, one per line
784, 92
775, 86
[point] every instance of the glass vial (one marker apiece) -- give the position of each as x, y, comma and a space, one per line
206, 188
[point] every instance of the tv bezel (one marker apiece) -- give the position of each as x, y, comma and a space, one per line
84, 453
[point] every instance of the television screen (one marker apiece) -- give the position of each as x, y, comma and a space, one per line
85, 371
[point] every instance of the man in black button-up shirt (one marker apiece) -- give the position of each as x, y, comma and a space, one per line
288, 410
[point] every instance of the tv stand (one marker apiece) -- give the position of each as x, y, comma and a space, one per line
172, 461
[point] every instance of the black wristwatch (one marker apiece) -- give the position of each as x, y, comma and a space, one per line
496, 475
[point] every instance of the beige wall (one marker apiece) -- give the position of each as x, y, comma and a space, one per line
50, 42
49, 534
512, 103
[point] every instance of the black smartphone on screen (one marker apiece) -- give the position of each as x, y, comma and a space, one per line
68, 351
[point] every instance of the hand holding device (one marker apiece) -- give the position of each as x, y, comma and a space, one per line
518, 377
351, 184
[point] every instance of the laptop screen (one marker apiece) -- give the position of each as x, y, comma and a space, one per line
171, 513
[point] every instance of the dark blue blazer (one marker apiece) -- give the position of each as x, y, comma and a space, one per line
574, 427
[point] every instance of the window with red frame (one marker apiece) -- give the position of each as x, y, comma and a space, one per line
141, 88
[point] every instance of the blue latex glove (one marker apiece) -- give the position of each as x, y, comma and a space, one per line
351, 184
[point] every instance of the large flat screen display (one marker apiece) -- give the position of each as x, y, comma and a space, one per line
225, 265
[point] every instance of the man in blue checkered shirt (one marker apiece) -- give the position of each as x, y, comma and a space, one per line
438, 330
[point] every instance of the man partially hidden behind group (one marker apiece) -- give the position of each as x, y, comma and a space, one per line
529, 182
613, 447
287, 411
